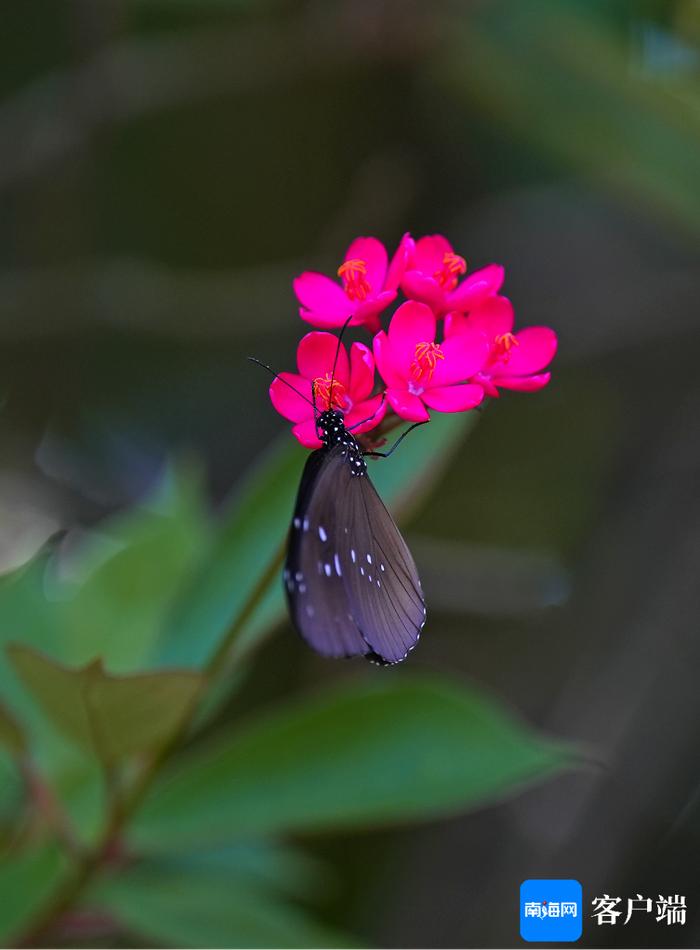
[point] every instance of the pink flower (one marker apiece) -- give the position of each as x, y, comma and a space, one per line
420, 372
433, 272
352, 385
368, 284
515, 360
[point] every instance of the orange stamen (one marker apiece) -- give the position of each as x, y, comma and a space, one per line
426, 359
353, 273
322, 386
502, 346
452, 266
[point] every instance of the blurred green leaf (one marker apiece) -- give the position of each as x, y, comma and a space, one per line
264, 864
560, 77
110, 590
104, 595
26, 883
128, 574
11, 735
388, 752
177, 907
112, 716
12, 793
256, 524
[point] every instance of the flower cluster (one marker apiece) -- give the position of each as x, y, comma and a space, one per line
450, 344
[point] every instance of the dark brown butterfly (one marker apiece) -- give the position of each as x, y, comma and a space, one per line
351, 583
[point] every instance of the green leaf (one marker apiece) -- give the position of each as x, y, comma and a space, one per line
11, 735
255, 526
113, 716
177, 907
129, 573
109, 593
558, 77
265, 864
27, 882
104, 596
383, 753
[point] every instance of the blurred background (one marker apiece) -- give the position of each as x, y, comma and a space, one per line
168, 166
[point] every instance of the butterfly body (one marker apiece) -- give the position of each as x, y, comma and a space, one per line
351, 584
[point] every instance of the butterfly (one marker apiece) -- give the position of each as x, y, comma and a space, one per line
351, 583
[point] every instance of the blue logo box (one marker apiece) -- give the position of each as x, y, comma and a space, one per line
551, 911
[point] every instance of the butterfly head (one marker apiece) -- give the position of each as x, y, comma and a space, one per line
332, 431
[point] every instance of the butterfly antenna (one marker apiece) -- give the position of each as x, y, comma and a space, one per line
335, 361
270, 370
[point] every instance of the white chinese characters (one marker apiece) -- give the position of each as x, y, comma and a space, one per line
550, 909
671, 909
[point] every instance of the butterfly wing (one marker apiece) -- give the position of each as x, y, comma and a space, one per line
382, 580
351, 583
318, 602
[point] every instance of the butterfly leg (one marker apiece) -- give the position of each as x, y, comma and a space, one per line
385, 455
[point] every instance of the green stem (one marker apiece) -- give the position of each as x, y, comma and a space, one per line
124, 807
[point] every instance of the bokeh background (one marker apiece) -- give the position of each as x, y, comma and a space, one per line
167, 167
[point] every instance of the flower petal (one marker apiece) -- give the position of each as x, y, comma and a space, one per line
368, 310
305, 432
535, 350
316, 355
429, 254
289, 403
370, 413
465, 354
487, 384
407, 405
373, 253
493, 317
361, 372
329, 322
321, 295
416, 286
523, 384
399, 262
477, 288
386, 361
454, 398
412, 323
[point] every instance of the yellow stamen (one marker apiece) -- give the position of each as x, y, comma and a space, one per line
426, 359
353, 273
322, 386
452, 266
503, 344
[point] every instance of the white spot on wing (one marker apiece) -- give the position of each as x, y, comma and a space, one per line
327, 569
369, 558
353, 555
322, 533
336, 561
297, 523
